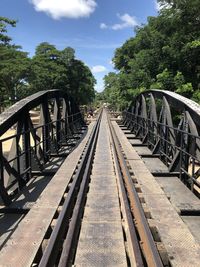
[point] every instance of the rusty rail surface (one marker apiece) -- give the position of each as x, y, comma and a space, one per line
63, 241
69, 220
132, 205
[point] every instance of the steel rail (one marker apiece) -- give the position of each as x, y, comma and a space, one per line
72, 234
63, 224
133, 243
149, 248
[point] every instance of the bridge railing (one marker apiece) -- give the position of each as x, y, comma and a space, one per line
31, 131
169, 125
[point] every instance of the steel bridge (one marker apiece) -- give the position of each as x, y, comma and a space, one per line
112, 192
169, 125
33, 146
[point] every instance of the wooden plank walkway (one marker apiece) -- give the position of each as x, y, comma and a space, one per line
101, 242
22, 246
179, 242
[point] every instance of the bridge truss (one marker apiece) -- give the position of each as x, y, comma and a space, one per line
170, 125
33, 143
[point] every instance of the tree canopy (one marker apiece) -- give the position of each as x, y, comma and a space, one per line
163, 54
49, 68
14, 63
4, 22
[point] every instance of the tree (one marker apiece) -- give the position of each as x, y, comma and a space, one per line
67, 55
81, 82
14, 63
4, 38
164, 53
14, 67
49, 68
53, 68
112, 93
45, 71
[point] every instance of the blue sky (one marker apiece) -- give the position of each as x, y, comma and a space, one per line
94, 28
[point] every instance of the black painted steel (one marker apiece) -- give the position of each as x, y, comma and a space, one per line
169, 124
33, 142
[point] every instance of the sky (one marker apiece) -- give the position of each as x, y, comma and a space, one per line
94, 28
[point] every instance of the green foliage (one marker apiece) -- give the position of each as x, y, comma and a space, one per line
163, 54
179, 79
14, 68
14, 64
46, 71
99, 99
4, 38
196, 96
185, 89
166, 80
50, 68
113, 93
81, 82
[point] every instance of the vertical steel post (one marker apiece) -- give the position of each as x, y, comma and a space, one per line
26, 146
46, 129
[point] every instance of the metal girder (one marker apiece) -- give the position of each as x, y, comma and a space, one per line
169, 124
32, 145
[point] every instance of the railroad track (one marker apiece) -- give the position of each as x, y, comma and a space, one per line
100, 220
134, 238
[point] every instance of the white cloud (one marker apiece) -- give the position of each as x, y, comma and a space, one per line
127, 21
103, 26
65, 8
98, 68
111, 63
159, 6
99, 88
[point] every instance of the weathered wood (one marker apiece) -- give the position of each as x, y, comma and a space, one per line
178, 194
21, 248
180, 244
101, 240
